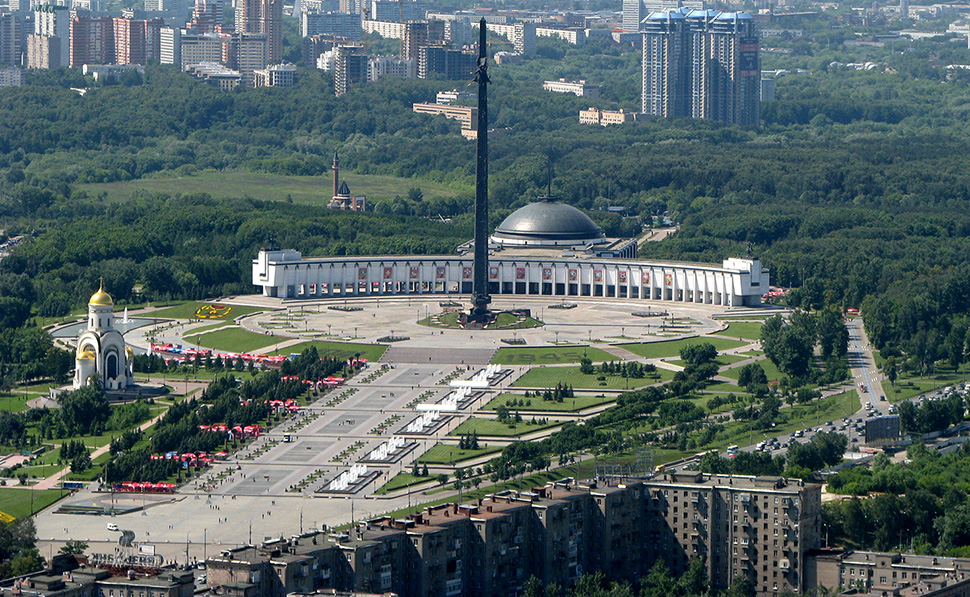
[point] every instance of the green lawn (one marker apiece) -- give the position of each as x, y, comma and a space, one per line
671, 348
17, 502
451, 454
209, 328
547, 377
402, 480
270, 187
234, 339
14, 402
742, 329
907, 388
339, 350
550, 355
538, 404
187, 311
492, 428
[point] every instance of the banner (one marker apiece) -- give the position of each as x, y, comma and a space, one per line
547, 273
466, 273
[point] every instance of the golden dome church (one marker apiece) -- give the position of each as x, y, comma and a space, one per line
101, 350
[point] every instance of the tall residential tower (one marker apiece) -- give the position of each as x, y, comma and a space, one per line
263, 17
701, 64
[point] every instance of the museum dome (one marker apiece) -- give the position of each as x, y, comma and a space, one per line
548, 222
101, 298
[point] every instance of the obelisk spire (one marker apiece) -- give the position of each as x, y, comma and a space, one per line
480, 297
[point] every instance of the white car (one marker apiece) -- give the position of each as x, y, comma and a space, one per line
113, 527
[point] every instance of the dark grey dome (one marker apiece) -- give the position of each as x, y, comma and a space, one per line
548, 222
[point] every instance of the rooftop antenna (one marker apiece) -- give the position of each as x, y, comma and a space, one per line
549, 177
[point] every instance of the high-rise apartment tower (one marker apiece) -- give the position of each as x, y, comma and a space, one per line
701, 64
263, 17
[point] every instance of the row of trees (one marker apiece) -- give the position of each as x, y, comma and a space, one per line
824, 449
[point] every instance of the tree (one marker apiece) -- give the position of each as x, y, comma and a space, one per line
84, 411
14, 312
698, 354
741, 586
18, 549
752, 374
74, 548
788, 348
81, 462
833, 337
658, 582
892, 370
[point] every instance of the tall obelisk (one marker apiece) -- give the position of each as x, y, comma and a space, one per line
480, 297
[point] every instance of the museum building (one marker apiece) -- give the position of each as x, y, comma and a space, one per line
546, 248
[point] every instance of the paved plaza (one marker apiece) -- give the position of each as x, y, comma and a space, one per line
275, 487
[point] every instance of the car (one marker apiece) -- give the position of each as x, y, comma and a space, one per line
882, 398
113, 527
854, 439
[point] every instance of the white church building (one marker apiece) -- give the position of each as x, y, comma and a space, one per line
101, 350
